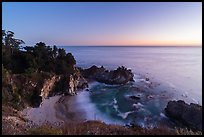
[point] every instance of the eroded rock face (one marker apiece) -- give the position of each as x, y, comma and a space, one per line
119, 76
48, 86
189, 115
72, 85
31, 86
76, 81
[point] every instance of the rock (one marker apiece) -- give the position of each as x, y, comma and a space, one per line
82, 83
72, 85
76, 81
134, 97
48, 86
147, 79
87, 89
189, 115
92, 72
150, 96
119, 76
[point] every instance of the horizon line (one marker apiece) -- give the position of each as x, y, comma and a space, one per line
133, 45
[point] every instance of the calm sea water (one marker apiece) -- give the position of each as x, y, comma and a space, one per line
175, 73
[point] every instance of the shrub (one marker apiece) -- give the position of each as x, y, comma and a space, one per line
44, 130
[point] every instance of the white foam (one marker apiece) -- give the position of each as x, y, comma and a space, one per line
136, 78
125, 115
185, 94
137, 105
195, 101
115, 106
91, 112
148, 82
163, 115
115, 101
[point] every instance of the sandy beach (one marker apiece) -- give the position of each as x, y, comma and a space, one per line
56, 110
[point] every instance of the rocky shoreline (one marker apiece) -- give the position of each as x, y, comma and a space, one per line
79, 80
81, 77
75, 82
177, 111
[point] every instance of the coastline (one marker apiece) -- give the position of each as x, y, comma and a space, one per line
56, 110
59, 110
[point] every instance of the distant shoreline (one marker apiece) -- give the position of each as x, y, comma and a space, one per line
127, 46
139, 46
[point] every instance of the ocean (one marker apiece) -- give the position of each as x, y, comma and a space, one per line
175, 73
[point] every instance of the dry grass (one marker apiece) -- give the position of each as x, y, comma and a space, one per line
185, 131
44, 130
96, 128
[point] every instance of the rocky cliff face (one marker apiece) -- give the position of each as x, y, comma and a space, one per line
189, 115
48, 86
76, 81
23, 90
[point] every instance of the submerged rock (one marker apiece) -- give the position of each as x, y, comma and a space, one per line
134, 97
189, 115
119, 76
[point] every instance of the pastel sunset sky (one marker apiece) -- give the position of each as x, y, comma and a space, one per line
105, 23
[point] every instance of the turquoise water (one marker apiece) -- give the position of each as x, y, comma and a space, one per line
174, 73
115, 102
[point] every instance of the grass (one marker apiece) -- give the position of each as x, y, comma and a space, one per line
44, 130
185, 131
94, 127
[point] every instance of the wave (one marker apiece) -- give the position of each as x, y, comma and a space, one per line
136, 78
90, 110
137, 105
115, 106
163, 115
125, 115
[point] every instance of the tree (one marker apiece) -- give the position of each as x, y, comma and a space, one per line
70, 59
54, 51
9, 41
61, 53
3, 37
34, 59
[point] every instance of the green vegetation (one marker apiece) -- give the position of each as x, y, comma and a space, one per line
21, 90
24, 67
34, 59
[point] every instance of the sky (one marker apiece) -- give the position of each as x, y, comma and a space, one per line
105, 23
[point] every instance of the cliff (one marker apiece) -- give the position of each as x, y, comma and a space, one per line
48, 86
76, 81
